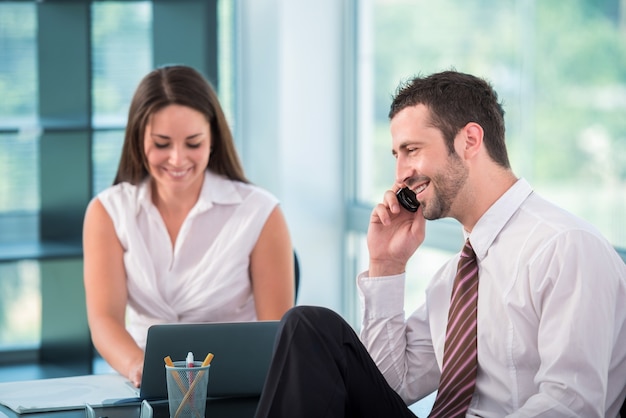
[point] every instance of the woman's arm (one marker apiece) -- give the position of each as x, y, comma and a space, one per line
106, 294
272, 269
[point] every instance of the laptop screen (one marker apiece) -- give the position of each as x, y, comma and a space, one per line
242, 350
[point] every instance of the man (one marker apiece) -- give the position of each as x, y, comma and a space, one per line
540, 332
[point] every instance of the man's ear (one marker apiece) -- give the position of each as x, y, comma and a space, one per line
473, 136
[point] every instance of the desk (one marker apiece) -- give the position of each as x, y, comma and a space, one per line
216, 408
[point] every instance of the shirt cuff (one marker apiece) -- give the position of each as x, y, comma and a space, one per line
381, 297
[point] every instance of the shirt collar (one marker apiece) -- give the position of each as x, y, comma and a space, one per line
216, 189
219, 190
497, 216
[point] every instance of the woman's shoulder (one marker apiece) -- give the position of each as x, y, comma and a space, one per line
257, 193
122, 196
242, 190
253, 188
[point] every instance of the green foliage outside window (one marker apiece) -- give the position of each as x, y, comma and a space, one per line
560, 69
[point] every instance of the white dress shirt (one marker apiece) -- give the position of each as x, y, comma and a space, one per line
205, 276
551, 317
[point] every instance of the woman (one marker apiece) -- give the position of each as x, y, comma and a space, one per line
181, 236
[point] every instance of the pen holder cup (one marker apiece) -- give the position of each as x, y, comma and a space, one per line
187, 389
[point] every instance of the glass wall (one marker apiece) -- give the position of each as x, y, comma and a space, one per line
120, 52
19, 198
559, 68
20, 310
121, 56
20, 304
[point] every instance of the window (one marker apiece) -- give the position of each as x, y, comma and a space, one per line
67, 74
560, 69
117, 69
19, 198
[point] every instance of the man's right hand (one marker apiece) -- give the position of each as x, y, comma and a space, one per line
393, 236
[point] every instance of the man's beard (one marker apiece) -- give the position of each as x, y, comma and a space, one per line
446, 185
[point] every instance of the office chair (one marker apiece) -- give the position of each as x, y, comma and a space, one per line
296, 266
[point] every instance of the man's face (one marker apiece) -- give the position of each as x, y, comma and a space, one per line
424, 164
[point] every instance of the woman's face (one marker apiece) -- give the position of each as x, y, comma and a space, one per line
177, 144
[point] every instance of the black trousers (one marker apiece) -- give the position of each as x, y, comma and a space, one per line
321, 369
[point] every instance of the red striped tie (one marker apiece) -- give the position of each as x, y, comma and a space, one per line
458, 375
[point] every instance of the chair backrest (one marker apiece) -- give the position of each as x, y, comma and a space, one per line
296, 265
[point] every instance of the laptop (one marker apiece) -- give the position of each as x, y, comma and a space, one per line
242, 350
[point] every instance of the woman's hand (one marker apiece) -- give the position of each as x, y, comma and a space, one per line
135, 372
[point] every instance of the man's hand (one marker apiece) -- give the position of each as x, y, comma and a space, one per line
393, 236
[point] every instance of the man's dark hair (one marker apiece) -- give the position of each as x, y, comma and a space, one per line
454, 99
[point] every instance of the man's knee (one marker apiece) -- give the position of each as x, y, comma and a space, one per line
315, 322
311, 314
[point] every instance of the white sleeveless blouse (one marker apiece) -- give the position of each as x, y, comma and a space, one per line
205, 277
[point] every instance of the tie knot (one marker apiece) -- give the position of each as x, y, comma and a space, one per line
467, 250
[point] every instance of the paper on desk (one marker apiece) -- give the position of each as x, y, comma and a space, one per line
66, 393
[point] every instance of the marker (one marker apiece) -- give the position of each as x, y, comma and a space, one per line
190, 364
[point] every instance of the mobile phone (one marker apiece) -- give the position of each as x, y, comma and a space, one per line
407, 199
